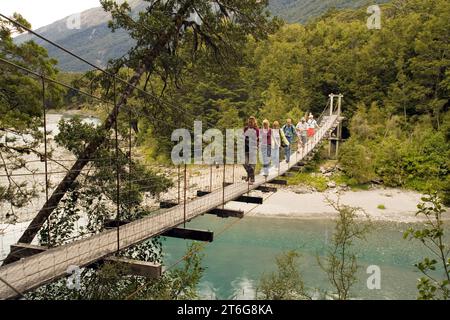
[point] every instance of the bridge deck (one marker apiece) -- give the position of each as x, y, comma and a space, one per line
47, 266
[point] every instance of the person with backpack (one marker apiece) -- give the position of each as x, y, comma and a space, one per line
290, 133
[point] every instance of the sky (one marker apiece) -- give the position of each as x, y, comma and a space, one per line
43, 12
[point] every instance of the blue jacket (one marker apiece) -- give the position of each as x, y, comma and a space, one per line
289, 132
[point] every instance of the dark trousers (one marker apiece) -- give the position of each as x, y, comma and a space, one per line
249, 168
287, 149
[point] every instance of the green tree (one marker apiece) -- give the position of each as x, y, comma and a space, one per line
340, 264
432, 236
286, 283
21, 110
112, 281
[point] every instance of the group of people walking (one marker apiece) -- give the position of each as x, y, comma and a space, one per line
270, 140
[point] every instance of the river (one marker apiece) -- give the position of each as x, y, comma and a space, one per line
238, 257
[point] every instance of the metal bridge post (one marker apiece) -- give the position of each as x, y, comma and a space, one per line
179, 184
44, 108
331, 114
184, 196
129, 162
234, 166
339, 128
223, 185
116, 129
210, 177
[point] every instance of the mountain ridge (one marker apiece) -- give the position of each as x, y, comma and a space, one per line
95, 42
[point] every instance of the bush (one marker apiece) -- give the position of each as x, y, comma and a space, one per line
413, 155
357, 161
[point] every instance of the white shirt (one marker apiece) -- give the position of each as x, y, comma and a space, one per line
312, 124
276, 137
302, 128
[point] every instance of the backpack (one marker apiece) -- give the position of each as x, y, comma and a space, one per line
291, 128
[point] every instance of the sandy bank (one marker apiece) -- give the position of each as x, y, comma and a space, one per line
400, 205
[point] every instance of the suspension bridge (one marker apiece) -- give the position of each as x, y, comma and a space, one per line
30, 266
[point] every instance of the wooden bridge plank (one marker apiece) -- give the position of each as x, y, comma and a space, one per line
249, 199
267, 189
191, 234
138, 268
226, 213
24, 250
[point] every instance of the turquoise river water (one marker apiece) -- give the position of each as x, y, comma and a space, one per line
238, 257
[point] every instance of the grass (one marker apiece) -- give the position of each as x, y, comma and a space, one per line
308, 179
381, 207
342, 179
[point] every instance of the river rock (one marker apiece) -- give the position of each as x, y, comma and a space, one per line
301, 190
331, 184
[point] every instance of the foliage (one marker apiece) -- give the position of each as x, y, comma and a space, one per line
305, 10
340, 263
398, 154
286, 283
21, 109
113, 282
432, 237
95, 42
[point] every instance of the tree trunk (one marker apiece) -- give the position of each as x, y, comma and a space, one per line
74, 172
72, 175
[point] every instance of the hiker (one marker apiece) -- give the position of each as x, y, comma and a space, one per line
278, 141
312, 126
302, 132
251, 134
266, 146
289, 132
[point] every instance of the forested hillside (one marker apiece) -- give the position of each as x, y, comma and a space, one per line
95, 42
396, 84
303, 10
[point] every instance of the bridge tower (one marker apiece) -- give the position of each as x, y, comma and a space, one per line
336, 136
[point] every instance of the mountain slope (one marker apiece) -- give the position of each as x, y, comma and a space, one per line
96, 43
302, 10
